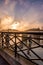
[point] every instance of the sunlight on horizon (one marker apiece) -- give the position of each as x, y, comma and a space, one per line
21, 14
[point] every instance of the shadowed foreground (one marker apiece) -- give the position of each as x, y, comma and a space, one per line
3, 62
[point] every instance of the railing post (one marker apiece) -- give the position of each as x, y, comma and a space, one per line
7, 39
2, 40
15, 46
21, 45
29, 46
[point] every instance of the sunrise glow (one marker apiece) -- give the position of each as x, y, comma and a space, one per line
21, 14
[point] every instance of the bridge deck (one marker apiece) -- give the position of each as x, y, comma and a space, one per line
17, 41
22, 60
38, 51
3, 61
19, 59
9, 57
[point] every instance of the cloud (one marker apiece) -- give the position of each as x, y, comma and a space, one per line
31, 13
28, 13
8, 8
6, 2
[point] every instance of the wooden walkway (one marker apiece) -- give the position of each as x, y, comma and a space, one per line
18, 60
3, 61
9, 57
15, 55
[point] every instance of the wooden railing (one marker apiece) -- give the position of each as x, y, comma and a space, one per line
19, 42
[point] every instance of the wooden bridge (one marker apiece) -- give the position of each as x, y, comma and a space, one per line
14, 48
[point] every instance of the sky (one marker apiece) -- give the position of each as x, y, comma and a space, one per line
29, 13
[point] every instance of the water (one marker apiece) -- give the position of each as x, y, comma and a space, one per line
3, 61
